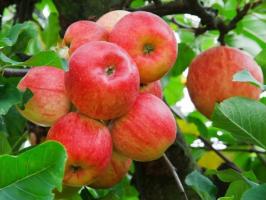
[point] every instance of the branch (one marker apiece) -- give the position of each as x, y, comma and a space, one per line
10, 72
208, 16
240, 15
163, 9
175, 175
227, 161
235, 150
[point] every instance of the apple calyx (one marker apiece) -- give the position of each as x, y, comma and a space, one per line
110, 70
148, 49
75, 168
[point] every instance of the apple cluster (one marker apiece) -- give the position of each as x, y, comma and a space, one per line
107, 109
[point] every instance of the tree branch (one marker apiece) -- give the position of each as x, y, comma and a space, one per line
10, 72
175, 175
235, 150
226, 160
209, 18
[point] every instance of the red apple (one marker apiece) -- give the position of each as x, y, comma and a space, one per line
109, 20
103, 81
88, 144
81, 32
149, 41
210, 77
49, 101
116, 170
154, 88
146, 131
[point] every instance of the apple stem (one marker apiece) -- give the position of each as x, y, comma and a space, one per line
175, 175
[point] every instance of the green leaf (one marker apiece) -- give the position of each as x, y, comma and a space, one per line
9, 96
229, 10
44, 58
202, 185
244, 118
246, 76
185, 55
260, 59
255, 193
231, 175
50, 35
5, 147
33, 174
15, 131
226, 198
26, 96
173, 91
6, 60
236, 189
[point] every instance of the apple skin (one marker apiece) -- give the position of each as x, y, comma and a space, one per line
81, 32
146, 131
154, 88
210, 77
114, 173
149, 41
109, 20
49, 101
103, 84
88, 144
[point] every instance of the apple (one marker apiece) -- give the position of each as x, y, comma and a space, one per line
109, 20
114, 173
146, 131
88, 144
49, 101
154, 88
149, 41
210, 77
81, 32
102, 81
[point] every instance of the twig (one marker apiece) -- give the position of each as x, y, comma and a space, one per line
239, 16
227, 161
235, 150
198, 31
10, 72
176, 177
209, 18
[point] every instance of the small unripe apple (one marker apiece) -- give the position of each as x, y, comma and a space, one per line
49, 101
149, 41
154, 88
109, 20
81, 32
146, 131
102, 81
88, 144
114, 173
210, 77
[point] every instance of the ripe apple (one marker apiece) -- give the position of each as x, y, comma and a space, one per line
210, 77
149, 41
109, 20
81, 32
103, 83
88, 144
146, 131
114, 173
49, 101
154, 88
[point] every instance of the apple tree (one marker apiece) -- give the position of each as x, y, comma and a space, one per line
215, 90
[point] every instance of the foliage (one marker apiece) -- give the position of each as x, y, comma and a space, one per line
237, 128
